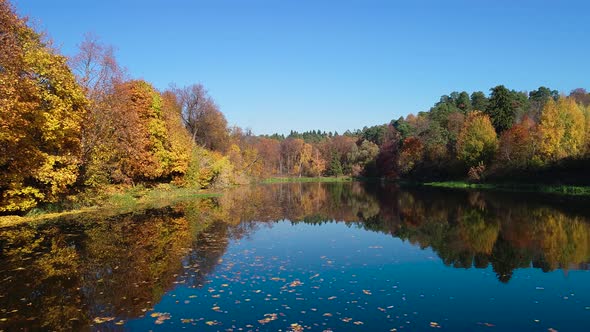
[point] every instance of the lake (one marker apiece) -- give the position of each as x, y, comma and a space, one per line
307, 257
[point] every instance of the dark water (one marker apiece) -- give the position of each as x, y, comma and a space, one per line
307, 257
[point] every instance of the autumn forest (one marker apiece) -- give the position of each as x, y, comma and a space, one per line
72, 126
289, 166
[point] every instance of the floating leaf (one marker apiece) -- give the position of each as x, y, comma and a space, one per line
100, 320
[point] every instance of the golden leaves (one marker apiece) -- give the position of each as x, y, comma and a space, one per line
477, 141
562, 129
41, 123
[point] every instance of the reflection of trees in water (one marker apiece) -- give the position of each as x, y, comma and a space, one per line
476, 229
129, 264
298, 202
208, 248
466, 229
36, 272
64, 274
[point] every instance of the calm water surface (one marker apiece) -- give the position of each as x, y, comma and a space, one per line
307, 257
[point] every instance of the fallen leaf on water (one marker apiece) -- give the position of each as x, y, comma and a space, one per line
268, 318
296, 327
100, 320
162, 317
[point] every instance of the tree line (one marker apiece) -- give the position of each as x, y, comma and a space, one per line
501, 134
80, 124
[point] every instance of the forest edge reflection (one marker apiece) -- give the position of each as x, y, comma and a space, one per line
74, 270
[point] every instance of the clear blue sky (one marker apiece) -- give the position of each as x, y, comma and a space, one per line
273, 66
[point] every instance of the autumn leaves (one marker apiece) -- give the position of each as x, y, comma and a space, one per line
41, 112
509, 133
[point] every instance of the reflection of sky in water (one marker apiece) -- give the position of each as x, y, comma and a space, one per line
225, 263
344, 278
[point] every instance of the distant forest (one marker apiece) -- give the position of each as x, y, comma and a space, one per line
80, 124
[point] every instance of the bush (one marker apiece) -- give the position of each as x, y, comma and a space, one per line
208, 169
476, 173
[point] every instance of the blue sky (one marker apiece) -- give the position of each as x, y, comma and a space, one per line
273, 66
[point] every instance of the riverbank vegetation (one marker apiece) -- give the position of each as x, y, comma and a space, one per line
514, 187
114, 202
77, 130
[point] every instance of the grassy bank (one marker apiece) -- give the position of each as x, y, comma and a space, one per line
515, 187
113, 202
309, 179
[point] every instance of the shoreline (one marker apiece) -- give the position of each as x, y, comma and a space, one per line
565, 190
129, 200
140, 198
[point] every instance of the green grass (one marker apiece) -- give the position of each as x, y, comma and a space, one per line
140, 198
132, 199
515, 187
309, 179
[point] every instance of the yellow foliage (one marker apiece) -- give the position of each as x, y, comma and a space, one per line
41, 112
478, 234
58, 172
562, 130
21, 199
586, 112
477, 140
208, 169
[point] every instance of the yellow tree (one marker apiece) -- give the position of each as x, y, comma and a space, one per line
562, 130
477, 141
178, 136
586, 111
315, 164
41, 111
